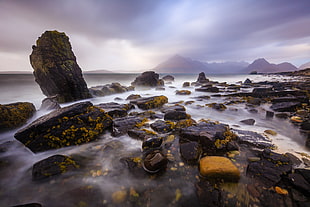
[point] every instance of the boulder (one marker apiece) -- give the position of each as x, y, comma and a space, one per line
186, 84
219, 168
123, 125
148, 79
109, 89
133, 96
217, 106
212, 137
51, 166
190, 151
183, 92
141, 134
176, 115
116, 110
72, 125
252, 139
270, 168
56, 69
162, 126
169, 78
247, 81
154, 162
175, 107
15, 114
202, 78
152, 143
150, 102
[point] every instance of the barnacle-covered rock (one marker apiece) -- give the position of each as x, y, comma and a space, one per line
72, 125
15, 114
150, 102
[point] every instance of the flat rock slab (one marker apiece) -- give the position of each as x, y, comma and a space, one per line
72, 125
252, 139
215, 167
123, 125
116, 110
285, 106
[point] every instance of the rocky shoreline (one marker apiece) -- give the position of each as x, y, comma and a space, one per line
176, 147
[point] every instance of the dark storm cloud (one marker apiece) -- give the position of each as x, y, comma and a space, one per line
205, 30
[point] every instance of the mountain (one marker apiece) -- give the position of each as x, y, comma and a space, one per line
263, 66
179, 64
304, 66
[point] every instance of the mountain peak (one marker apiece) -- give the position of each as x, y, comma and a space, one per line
261, 65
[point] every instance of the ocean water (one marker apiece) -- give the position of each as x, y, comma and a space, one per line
104, 172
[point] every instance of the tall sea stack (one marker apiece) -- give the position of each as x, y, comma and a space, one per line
56, 69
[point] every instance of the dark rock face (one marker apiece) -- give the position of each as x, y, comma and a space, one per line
247, 81
72, 125
150, 102
270, 168
210, 89
252, 139
152, 143
50, 103
15, 114
51, 166
116, 110
162, 126
175, 115
202, 78
109, 89
168, 78
190, 151
56, 69
123, 125
148, 79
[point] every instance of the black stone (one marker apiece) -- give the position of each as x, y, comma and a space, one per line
248, 121
122, 125
175, 115
148, 78
162, 126
190, 151
152, 143
285, 106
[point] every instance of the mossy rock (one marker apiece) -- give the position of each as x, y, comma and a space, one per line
15, 114
51, 166
72, 125
150, 102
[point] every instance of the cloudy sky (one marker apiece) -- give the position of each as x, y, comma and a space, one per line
134, 35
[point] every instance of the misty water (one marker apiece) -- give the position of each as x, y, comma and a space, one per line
104, 173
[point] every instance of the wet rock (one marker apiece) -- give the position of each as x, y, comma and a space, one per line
208, 195
160, 89
190, 151
254, 101
305, 173
201, 98
56, 69
247, 81
183, 123
271, 132
202, 78
175, 115
168, 78
186, 84
29, 205
270, 168
183, 92
162, 126
51, 166
176, 107
261, 91
141, 134
302, 99
109, 89
285, 106
148, 79
218, 168
154, 162
293, 159
269, 114
211, 89
147, 114
152, 143
282, 115
217, 106
15, 114
150, 102
252, 139
122, 125
72, 125
305, 126
50, 103
116, 110
212, 137
300, 183
253, 111
248, 121
133, 96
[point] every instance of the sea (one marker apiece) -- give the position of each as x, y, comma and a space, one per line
17, 187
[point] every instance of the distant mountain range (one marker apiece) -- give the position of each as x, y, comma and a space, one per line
304, 66
179, 64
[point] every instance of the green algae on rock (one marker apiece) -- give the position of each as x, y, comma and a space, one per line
56, 69
72, 125
15, 114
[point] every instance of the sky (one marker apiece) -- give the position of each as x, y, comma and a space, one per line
136, 35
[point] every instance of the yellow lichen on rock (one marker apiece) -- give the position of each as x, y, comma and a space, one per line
281, 191
215, 167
